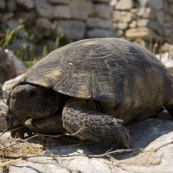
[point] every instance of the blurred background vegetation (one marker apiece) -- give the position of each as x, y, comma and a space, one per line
29, 52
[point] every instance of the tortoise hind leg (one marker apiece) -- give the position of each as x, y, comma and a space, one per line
81, 118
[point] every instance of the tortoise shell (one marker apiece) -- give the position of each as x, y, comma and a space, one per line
106, 69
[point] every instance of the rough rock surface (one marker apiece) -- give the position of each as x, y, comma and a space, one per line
28, 4
72, 29
8, 85
19, 67
152, 142
7, 67
3, 111
139, 32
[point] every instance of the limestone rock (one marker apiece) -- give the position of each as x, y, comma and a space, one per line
99, 23
122, 16
146, 12
124, 5
6, 16
28, 4
103, 10
99, 33
133, 24
140, 32
151, 141
72, 29
79, 9
11, 5
59, 1
62, 11
122, 25
44, 9
44, 25
113, 2
2, 4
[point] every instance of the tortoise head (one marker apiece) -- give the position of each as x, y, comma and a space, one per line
32, 101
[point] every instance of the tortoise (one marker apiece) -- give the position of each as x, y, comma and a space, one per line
91, 88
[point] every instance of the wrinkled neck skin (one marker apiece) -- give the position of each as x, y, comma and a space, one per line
33, 101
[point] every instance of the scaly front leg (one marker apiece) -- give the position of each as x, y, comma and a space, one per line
82, 118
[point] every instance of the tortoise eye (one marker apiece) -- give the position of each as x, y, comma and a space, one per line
32, 94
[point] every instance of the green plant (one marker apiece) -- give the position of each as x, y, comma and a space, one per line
9, 37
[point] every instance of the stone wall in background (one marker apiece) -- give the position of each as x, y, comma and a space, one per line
78, 19
143, 18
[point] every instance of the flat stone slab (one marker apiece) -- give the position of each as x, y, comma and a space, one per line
152, 142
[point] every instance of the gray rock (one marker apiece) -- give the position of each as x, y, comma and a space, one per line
157, 4
28, 4
44, 9
103, 10
2, 4
62, 11
160, 17
72, 29
165, 6
3, 112
140, 32
44, 25
167, 18
151, 140
23, 17
59, 1
19, 67
151, 24
11, 5
99, 23
171, 9
6, 16
99, 33
10, 25
124, 5
79, 9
